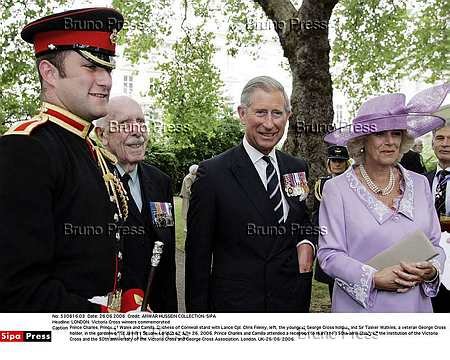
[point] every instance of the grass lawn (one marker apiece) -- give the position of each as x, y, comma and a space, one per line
320, 301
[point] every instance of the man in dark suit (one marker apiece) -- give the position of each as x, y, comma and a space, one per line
123, 132
412, 160
439, 186
250, 244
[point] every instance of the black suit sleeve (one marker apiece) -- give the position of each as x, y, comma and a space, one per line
27, 232
199, 242
166, 299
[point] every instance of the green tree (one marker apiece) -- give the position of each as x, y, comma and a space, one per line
198, 123
19, 84
378, 42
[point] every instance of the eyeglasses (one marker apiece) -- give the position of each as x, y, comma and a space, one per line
274, 114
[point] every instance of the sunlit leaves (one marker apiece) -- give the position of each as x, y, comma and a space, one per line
378, 43
19, 85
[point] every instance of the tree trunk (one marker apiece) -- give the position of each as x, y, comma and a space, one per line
305, 43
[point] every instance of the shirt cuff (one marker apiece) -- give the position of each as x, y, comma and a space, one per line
308, 242
435, 277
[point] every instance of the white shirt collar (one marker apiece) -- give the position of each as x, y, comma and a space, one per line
133, 174
439, 168
256, 155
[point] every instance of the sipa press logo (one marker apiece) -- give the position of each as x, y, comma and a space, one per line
25, 336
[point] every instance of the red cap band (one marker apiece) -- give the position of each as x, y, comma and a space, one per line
95, 39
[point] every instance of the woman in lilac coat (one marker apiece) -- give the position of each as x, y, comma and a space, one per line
376, 203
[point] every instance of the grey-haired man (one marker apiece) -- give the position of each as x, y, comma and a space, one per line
250, 244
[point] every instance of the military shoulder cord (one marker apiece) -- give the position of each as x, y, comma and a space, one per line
317, 191
118, 196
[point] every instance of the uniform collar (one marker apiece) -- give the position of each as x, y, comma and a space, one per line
66, 120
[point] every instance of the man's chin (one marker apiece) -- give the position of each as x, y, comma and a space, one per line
267, 145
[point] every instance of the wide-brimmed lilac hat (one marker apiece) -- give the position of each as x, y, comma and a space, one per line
389, 112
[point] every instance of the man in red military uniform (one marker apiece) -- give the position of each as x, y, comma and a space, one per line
59, 206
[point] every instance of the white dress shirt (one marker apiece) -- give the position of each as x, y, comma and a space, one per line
134, 185
260, 165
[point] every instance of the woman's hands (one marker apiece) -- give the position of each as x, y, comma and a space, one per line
424, 270
403, 277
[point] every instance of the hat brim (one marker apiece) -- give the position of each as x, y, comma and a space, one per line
415, 125
338, 158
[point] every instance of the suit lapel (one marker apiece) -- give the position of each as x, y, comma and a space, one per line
291, 200
430, 176
133, 209
150, 192
249, 180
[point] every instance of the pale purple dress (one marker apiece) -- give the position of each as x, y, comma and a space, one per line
358, 227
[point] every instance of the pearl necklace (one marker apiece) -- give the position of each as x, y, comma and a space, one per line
374, 187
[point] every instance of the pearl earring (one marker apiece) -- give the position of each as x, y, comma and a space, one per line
362, 150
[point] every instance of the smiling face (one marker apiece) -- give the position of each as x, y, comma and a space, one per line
265, 119
441, 146
382, 148
126, 133
84, 91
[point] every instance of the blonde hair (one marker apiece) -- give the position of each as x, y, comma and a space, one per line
354, 147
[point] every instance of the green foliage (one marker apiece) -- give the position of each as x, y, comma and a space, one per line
2, 129
198, 123
175, 157
146, 26
19, 84
188, 87
428, 157
380, 42
241, 32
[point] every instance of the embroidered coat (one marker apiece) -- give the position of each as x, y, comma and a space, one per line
57, 228
359, 226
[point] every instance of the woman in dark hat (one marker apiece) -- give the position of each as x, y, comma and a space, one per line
376, 203
337, 162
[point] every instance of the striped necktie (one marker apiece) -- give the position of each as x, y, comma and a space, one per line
274, 190
441, 188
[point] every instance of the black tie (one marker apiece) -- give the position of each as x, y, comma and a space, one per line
273, 190
125, 178
441, 190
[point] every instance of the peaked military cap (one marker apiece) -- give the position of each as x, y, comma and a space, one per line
338, 152
92, 32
